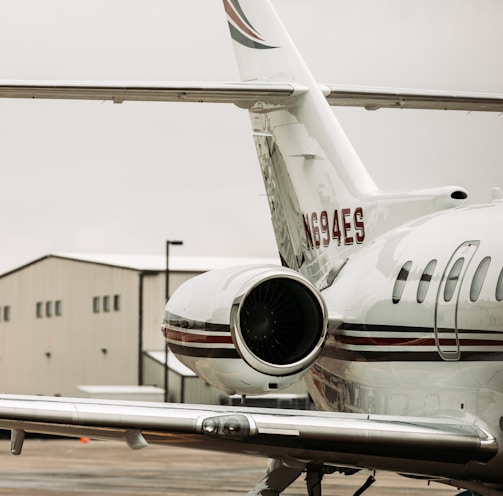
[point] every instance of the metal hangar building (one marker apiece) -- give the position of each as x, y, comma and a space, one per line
77, 325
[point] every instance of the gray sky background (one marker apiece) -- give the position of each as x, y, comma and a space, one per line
99, 177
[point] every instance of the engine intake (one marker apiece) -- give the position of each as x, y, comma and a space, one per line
277, 325
247, 330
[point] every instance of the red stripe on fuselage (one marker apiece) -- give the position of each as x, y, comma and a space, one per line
188, 337
371, 341
375, 341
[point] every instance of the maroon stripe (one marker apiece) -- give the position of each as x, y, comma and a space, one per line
386, 341
188, 337
239, 22
374, 341
480, 342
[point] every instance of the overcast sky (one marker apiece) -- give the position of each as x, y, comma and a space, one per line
99, 177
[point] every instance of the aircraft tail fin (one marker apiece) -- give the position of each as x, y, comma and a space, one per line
323, 202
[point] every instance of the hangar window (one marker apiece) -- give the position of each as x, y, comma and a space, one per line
106, 303
96, 304
58, 308
478, 278
117, 302
48, 308
400, 281
452, 279
40, 310
499, 287
425, 280
6, 313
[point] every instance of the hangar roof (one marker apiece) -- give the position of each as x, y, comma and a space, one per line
155, 263
158, 262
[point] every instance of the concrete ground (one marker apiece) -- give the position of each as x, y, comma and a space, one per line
73, 468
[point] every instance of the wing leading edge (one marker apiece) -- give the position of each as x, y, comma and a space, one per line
248, 94
376, 442
377, 98
241, 94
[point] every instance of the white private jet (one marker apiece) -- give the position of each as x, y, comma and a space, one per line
390, 305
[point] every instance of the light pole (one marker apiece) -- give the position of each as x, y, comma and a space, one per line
166, 294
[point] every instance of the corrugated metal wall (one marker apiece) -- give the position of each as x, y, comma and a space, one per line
65, 323
50, 353
71, 323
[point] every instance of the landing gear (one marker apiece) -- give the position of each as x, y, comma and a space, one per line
365, 486
281, 473
315, 473
314, 476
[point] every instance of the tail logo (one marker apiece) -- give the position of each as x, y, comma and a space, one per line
241, 29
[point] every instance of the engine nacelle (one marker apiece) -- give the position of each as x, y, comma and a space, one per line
247, 330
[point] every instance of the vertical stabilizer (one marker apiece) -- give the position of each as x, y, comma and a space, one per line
323, 202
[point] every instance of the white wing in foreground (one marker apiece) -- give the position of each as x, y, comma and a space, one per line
403, 444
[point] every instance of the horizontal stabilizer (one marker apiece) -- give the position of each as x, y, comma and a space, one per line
248, 94
241, 94
399, 98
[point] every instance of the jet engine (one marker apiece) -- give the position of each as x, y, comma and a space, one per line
247, 330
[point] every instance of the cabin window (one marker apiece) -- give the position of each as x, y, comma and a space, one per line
106, 303
58, 308
478, 278
425, 280
6, 313
39, 310
452, 279
117, 302
499, 287
48, 308
400, 281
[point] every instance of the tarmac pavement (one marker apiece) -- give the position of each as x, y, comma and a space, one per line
72, 468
